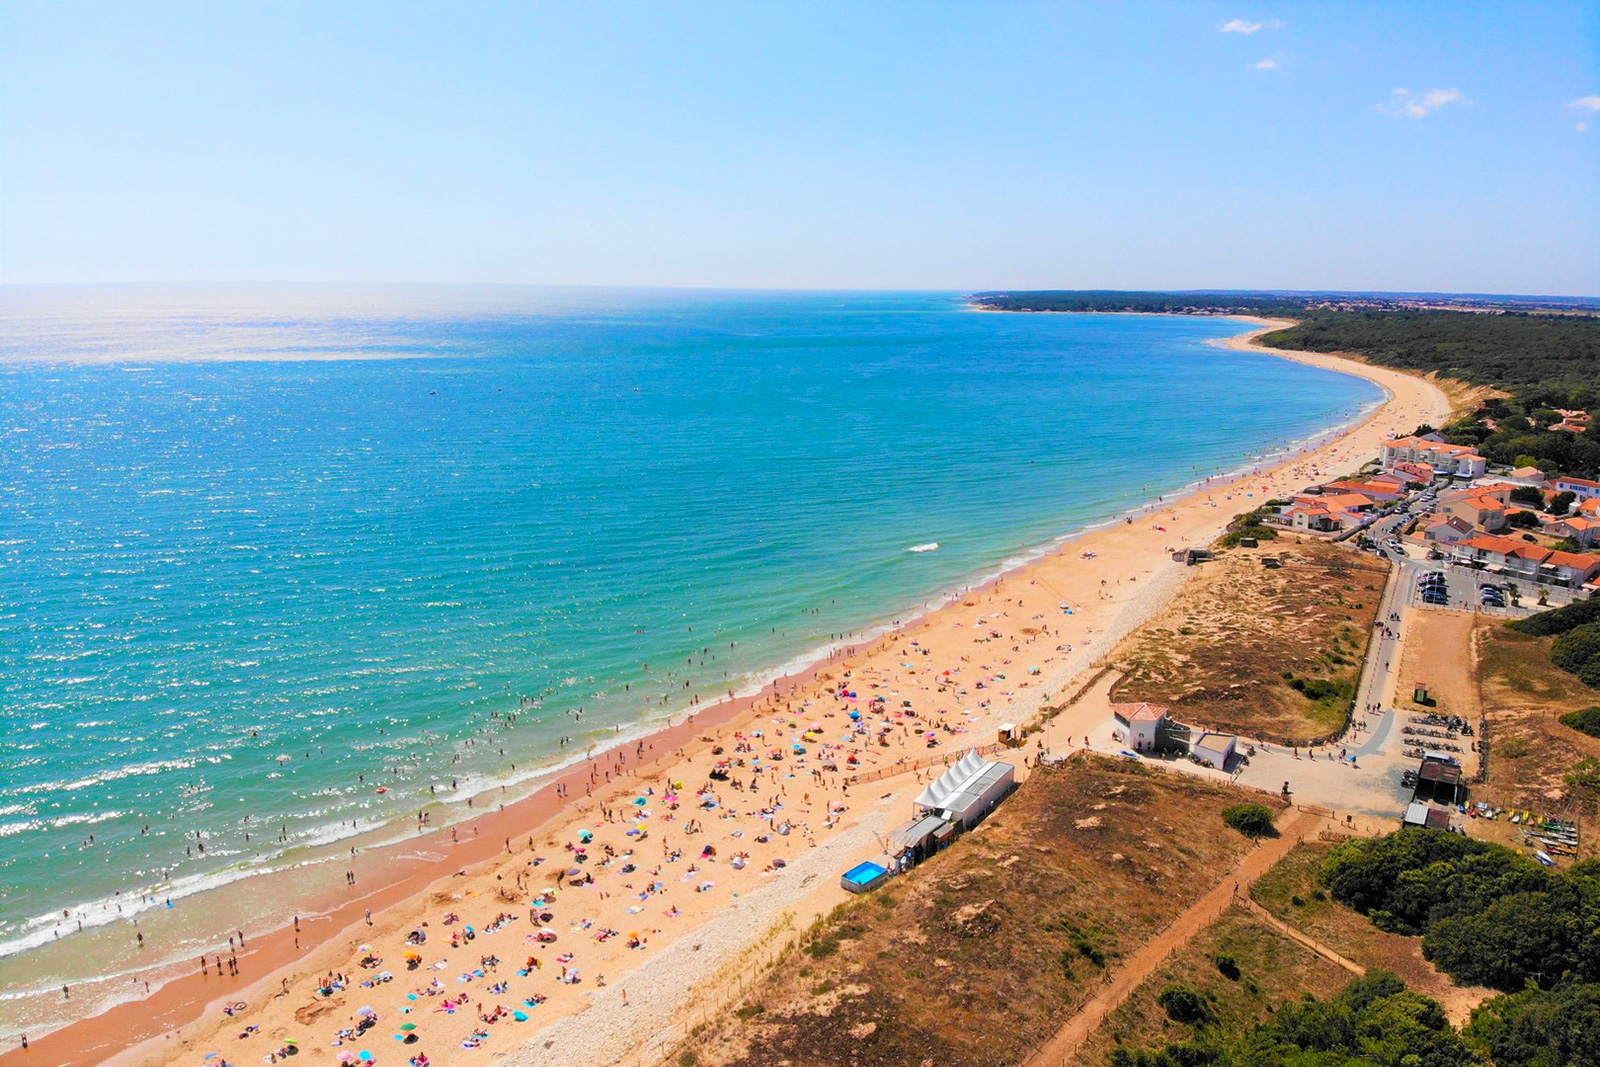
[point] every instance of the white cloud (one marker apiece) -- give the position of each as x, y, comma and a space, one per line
1241, 26
1582, 126
1408, 104
1588, 103
1265, 64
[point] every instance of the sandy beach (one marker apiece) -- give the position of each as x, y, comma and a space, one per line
595, 918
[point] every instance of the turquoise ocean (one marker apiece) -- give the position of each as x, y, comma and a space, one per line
263, 550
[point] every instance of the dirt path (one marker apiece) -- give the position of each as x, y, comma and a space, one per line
1302, 938
1297, 825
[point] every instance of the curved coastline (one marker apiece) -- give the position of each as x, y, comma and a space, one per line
179, 1002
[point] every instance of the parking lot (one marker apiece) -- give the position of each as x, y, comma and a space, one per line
1461, 589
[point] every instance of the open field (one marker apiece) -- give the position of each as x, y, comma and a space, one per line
1218, 655
1020, 920
1290, 892
1272, 968
1530, 751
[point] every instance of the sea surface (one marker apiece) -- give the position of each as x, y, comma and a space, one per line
265, 550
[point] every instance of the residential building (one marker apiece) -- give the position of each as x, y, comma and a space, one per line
1313, 518
1520, 559
1416, 472
1579, 528
1483, 508
1582, 487
1447, 530
1459, 460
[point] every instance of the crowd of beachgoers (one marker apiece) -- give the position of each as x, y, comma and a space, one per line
659, 836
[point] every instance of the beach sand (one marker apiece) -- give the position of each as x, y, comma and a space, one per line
676, 936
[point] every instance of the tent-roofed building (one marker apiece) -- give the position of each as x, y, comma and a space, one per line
968, 791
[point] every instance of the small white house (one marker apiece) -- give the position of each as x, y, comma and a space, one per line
1139, 724
1215, 748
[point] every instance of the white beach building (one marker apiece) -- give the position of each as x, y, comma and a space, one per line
968, 791
1140, 724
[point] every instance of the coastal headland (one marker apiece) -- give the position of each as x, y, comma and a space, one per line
665, 866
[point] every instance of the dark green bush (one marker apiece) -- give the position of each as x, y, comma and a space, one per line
1184, 1005
1588, 720
1254, 820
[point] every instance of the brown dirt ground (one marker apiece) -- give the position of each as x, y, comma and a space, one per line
1439, 656
1273, 969
1217, 654
1020, 920
1530, 751
1351, 934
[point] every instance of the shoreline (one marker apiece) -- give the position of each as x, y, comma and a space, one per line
546, 769
182, 1000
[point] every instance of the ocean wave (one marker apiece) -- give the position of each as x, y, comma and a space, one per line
133, 770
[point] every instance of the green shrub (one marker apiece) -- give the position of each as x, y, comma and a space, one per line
1183, 1005
1253, 820
1227, 966
1586, 721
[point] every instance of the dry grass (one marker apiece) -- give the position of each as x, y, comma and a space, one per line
1272, 969
1018, 921
1351, 934
1530, 751
1218, 654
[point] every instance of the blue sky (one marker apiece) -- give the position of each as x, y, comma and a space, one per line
849, 145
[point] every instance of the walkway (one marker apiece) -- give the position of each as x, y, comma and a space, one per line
1302, 938
1142, 964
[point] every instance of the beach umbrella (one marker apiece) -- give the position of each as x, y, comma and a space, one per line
575, 872
520, 1016
365, 1011
347, 1057
409, 1026
365, 1055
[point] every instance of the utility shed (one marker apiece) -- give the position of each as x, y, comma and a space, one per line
1439, 779
968, 791
1217, 748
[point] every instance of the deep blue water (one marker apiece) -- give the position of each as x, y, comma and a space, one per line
228, 589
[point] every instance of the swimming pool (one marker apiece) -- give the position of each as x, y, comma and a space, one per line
862, 877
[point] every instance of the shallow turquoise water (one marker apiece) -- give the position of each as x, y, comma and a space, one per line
229, 590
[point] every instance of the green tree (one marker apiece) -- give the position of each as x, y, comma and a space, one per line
1527, 494
1540, 1028
1575, 648
1524, 520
